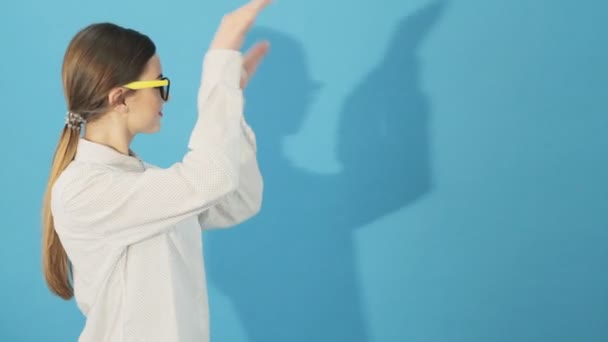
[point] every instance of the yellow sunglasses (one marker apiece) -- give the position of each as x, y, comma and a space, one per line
163, 84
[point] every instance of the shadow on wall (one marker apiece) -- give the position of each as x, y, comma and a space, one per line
291, 271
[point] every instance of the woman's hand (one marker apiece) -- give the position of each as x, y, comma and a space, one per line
231, 35
235, 25
251, 61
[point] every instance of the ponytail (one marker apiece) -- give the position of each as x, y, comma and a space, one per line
56, 267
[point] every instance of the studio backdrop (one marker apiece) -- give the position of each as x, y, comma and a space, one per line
434, 170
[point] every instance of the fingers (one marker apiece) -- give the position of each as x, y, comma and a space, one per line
235, 25
258, 5
255, 54
252, 60
247, 13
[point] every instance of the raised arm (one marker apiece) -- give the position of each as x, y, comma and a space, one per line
126, 207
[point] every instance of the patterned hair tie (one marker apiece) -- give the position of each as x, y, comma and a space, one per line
74, 120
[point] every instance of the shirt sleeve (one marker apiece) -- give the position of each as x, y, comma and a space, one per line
127, 207
246, 201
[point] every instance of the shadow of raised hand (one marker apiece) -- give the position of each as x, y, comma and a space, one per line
291, 271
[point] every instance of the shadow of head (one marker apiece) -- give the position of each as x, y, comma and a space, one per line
280, 93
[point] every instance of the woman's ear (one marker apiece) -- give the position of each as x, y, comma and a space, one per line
116, 98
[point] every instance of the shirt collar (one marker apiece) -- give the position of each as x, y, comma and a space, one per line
92, 152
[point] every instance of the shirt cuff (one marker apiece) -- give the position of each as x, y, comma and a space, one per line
222, 66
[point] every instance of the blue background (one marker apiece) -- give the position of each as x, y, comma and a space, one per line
435, 171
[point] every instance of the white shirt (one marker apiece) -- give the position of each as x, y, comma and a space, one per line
132, 231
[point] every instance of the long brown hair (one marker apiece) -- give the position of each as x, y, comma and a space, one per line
100, 57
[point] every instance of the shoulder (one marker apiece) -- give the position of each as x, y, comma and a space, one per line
78, 184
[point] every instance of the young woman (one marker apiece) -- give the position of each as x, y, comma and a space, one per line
123, 236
